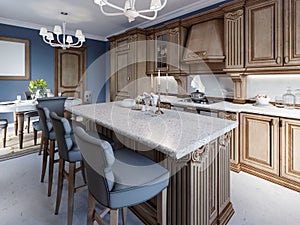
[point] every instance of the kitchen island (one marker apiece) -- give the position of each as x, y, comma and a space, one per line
194, 148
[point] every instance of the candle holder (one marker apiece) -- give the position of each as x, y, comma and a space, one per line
158, 111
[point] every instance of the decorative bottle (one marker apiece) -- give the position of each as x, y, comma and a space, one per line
289, 99
297, 98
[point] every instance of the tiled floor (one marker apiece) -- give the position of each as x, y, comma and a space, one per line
23, 199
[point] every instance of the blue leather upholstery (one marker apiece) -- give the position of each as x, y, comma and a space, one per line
122, 178
67, 147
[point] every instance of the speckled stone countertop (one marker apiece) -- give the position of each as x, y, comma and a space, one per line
175, 134
269, 110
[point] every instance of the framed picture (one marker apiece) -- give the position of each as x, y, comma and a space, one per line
14, 59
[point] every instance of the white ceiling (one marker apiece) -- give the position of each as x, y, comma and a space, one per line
86, 15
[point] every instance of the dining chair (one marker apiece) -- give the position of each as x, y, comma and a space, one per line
68, 152
45, 106
3, 126
29, 114
119, 179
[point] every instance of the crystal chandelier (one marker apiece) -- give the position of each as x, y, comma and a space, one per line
66, 41
129, 9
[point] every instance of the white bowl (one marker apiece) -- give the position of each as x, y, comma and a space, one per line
263, 101
127, 103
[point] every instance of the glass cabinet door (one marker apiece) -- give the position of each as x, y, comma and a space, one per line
161, 51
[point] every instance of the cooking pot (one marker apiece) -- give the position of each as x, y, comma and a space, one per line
198, 96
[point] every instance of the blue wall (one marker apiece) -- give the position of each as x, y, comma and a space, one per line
42, 65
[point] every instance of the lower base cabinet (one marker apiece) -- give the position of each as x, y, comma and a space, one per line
270, 148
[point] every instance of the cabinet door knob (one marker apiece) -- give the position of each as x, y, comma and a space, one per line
286, 60
128, 78
278, 60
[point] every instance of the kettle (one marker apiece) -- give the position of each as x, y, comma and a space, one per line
198, 96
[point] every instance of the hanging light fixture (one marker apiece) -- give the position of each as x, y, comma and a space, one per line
129, 9
65, 41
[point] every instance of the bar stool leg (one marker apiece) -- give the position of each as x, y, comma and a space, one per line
71, 187
28, 124
162, 208
59, 184
45, 156
4, 131
51, 166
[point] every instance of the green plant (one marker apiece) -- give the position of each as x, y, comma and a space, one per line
38, 87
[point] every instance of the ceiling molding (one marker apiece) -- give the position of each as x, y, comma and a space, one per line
38, 26
180, 12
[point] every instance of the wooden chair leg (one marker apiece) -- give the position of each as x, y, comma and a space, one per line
72, 167
51, 166
16, 124
83, 171
162, 208
4, 131
45, 156
91, 209
114, 216
28, 124
124, 215
34, 136
59, 184
41, 145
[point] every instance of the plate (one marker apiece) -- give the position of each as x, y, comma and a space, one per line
262, 105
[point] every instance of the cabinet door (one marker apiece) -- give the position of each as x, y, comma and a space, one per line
121, 84
161, 51
290, 149
263, 34
260, 142
292, 32
150, 45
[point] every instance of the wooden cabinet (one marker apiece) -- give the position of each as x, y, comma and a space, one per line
234, 149
264, 34
290, 146
260, 142
272, 33
292, 32
270, 148
165, 47
127, 65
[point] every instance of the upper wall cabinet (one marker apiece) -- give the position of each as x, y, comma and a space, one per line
165, 47
292, 32
264, 34
127, 64
273, 33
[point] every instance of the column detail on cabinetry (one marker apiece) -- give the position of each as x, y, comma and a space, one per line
240, 87
234, 39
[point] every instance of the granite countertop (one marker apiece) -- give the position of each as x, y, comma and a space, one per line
269, 110
174, 133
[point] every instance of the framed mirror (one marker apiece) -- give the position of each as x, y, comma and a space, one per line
14, 59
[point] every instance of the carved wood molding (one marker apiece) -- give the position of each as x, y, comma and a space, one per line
224, 140
113, 44
132, 38
234, 15
199, 154
174, 31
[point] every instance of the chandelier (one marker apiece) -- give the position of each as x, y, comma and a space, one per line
65, 41
129, 9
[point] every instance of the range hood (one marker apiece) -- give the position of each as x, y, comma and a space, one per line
205, 43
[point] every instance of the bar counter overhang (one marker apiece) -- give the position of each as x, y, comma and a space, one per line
194, 148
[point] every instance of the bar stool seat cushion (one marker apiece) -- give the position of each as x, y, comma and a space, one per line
37, 125
3, 123
137, 179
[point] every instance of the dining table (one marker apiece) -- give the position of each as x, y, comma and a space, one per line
19, 107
